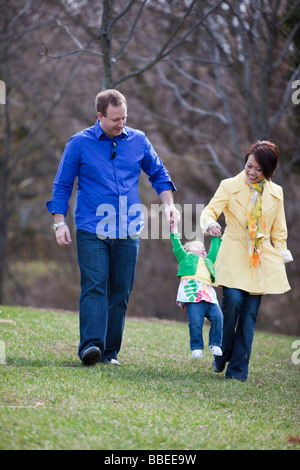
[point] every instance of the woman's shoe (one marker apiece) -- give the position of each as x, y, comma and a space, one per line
218, 366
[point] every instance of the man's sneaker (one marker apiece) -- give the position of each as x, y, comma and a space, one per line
216, 350
113, 362
197, 353
218, 366
91, 355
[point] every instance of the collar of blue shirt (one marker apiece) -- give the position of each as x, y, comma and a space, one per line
101, 135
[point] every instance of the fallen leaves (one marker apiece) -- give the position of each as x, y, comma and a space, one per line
294, 439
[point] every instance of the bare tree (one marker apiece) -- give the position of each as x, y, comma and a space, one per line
248, 75
24, 115
113, 14
29, 106
204, 78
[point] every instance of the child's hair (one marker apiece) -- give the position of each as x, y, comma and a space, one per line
187, 245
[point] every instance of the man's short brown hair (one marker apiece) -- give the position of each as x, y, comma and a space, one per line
104, 98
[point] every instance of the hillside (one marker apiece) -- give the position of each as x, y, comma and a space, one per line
160, 399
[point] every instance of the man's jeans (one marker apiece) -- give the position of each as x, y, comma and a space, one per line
107, 270
240, 311
196, 312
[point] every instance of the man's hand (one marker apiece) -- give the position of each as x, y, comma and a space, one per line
172, 214
63, 236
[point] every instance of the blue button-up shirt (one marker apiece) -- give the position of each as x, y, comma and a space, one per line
108, 202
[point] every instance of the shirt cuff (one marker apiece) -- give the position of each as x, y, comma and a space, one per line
160, 187
287, 256
57, 209
174, 235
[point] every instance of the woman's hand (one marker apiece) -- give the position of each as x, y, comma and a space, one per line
214, 229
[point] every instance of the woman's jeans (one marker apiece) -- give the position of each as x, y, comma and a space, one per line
196, 312
240, 311
107, 269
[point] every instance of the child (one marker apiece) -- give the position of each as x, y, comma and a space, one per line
195, 292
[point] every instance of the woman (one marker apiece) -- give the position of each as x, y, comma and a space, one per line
251, 259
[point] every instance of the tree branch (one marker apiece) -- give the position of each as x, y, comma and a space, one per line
183, 102
80, 47
129, 37
164, 51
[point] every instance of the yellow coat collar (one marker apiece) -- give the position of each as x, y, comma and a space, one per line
271, 190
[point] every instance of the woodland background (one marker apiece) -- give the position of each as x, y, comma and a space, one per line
203, 79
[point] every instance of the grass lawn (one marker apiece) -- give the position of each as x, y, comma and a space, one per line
160, 399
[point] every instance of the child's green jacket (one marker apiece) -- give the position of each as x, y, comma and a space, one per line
188, 262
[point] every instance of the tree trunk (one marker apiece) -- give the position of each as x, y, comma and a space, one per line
105, 42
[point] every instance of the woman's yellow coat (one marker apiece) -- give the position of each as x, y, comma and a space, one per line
232, 263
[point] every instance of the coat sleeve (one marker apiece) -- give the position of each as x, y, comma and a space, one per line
279, 231
215, 207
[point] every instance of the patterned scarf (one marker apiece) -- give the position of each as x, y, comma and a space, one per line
255, 224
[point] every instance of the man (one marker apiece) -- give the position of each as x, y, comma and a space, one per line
107, 159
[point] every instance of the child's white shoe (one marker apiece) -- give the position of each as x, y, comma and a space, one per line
216, 350
197, 353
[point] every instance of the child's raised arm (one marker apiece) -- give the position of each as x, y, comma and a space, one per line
178, 249
174, 226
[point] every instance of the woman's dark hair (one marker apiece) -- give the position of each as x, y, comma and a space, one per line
104, 98
266, 154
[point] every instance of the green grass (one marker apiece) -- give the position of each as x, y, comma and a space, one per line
160, 399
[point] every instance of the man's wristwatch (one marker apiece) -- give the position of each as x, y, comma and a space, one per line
59, 224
